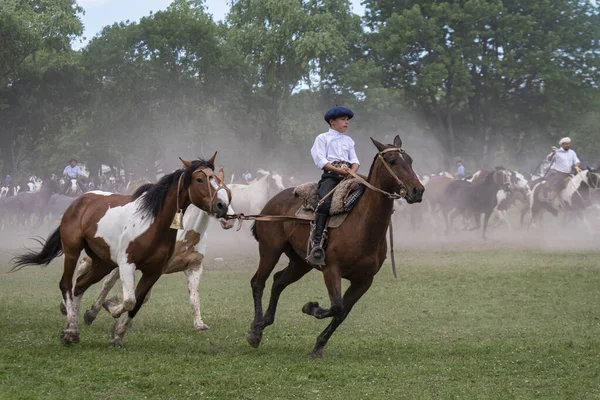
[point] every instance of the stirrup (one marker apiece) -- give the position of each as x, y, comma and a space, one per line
316, 257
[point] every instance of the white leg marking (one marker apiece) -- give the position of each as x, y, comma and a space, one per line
127, 274
193, 273
71, 331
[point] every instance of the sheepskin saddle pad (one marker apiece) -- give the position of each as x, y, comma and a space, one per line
343, 199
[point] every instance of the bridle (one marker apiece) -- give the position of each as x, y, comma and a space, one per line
209, 174
402, 191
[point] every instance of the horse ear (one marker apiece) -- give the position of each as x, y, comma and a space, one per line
186, 164
222, 175
212, 159
379, 146
398, 141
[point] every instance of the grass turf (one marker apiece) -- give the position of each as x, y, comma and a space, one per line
478, 324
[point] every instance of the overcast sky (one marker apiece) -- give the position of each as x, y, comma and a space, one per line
99, 13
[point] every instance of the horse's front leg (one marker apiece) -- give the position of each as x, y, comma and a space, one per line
193, 274
352, 295
333, 281
123, 323
486, 220
127, 274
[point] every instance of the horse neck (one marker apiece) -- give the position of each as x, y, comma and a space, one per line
490, 182
574, 184
262, 183
375, 209
165, 216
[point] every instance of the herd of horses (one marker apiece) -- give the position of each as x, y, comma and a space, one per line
491, 192
160, 229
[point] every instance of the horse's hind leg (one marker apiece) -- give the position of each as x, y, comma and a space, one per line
72, 300
84, 266
193, 274
268, 259
352, 295
295, 270
107, 284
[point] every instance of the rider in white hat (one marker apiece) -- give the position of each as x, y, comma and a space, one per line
564, 162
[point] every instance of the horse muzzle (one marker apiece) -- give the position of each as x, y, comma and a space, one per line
219, 208
415, 195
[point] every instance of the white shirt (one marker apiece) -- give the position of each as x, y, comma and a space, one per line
564, 160
72, 172
333, 146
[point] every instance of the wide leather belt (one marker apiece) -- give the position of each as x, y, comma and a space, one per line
340, 164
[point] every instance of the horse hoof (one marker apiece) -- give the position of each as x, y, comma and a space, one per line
253, 339
309, 307
89, 317
67, 338
316, 354
63, 308
202, 328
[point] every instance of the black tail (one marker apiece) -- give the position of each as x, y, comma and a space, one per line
52, 249
253, 229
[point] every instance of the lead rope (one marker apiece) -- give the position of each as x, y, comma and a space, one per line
391, 228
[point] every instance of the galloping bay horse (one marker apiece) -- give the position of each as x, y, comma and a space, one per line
356, 250
128, 232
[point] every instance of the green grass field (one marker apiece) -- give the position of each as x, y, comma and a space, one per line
478, 324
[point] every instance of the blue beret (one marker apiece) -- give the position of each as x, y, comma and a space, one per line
337, 112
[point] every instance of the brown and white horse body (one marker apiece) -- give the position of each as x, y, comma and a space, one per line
187, 257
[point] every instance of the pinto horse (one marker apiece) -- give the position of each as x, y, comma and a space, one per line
128, 232
356, 250
578, 195
188, 257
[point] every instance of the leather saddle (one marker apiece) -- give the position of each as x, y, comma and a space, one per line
343, 199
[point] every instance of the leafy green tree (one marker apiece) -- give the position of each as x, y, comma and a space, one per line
285, 42
489, 73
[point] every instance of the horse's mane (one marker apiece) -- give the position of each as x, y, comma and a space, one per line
155, 194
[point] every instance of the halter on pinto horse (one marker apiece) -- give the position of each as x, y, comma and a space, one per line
128, 232
356, 250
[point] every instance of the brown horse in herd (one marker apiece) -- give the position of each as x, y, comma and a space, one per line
128, 233
356, 250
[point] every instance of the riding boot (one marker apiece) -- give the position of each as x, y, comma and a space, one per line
317, 254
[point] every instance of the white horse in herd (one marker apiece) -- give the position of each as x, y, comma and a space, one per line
250, 199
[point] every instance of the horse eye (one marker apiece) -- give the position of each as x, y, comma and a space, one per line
392, 162
199, 180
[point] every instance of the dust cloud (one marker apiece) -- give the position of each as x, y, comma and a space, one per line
555, 233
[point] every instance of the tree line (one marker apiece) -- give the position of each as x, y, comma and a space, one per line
487, 81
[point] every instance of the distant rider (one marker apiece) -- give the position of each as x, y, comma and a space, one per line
564, 162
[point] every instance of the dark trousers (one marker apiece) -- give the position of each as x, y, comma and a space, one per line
329, 180
556, 180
